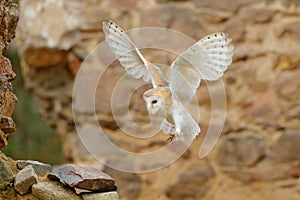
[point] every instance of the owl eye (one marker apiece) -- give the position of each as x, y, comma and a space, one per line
154, 102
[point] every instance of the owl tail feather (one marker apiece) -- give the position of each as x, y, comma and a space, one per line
189, 128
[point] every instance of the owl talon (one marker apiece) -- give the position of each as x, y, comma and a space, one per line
172, 136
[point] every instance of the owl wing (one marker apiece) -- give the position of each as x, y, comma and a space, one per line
125, 50
207, 59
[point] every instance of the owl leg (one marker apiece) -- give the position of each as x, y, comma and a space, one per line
171, 137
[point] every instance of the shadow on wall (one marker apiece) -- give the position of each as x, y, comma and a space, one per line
33, 138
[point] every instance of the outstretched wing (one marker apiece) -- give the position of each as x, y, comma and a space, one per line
207, 59
125, 50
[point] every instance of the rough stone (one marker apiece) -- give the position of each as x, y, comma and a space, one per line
129, 4
101, 196
265, 172
6, 68
294, 112
265, 106
257, 15
53, 191
86, 178
129, 184
7, 125
6, 174
231, 5
292, 26
39, 168
287, 147
9, 102
288, 61
236, 29
287, 84
241, 150
3, 139
25, 179
9, 16
43, 57
192, 184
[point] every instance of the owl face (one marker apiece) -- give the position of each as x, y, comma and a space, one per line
154, 104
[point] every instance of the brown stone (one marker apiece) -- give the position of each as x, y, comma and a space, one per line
7, 124
287, 84
265, 106
163, 16
9, 102
236, 30
129, 184
287, 147
245, 51
241, 150
288, 61
73, 64
231, 5
292, 26
192, 184
216, 17
187, 22
265, 172
6, 68
294, 112
9, 16
43, 57
3, 139
257, 15
121, 4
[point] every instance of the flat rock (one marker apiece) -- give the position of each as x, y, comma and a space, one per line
192, 184
101, 196
86, 178
53, 191
286, 148
25, 179
39, 167
241, 150
6, 174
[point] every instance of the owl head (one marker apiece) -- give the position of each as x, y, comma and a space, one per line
156, 99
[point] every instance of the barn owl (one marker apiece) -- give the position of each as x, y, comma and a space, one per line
207, 59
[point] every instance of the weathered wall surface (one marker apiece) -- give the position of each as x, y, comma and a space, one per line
257, 156
8, 19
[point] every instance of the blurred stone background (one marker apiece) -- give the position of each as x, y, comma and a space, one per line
258, 154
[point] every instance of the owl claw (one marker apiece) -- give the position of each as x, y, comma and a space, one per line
172, 136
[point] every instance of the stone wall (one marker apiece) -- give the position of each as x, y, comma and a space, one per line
8, 18
257, 156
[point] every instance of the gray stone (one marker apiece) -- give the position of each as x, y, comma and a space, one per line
6, 174
25, 179
287, 147
192, 184
39, 168
53, 191
241, 150
101, 196
86, 178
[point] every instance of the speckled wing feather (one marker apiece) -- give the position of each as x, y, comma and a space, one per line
207, 59
125, 50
